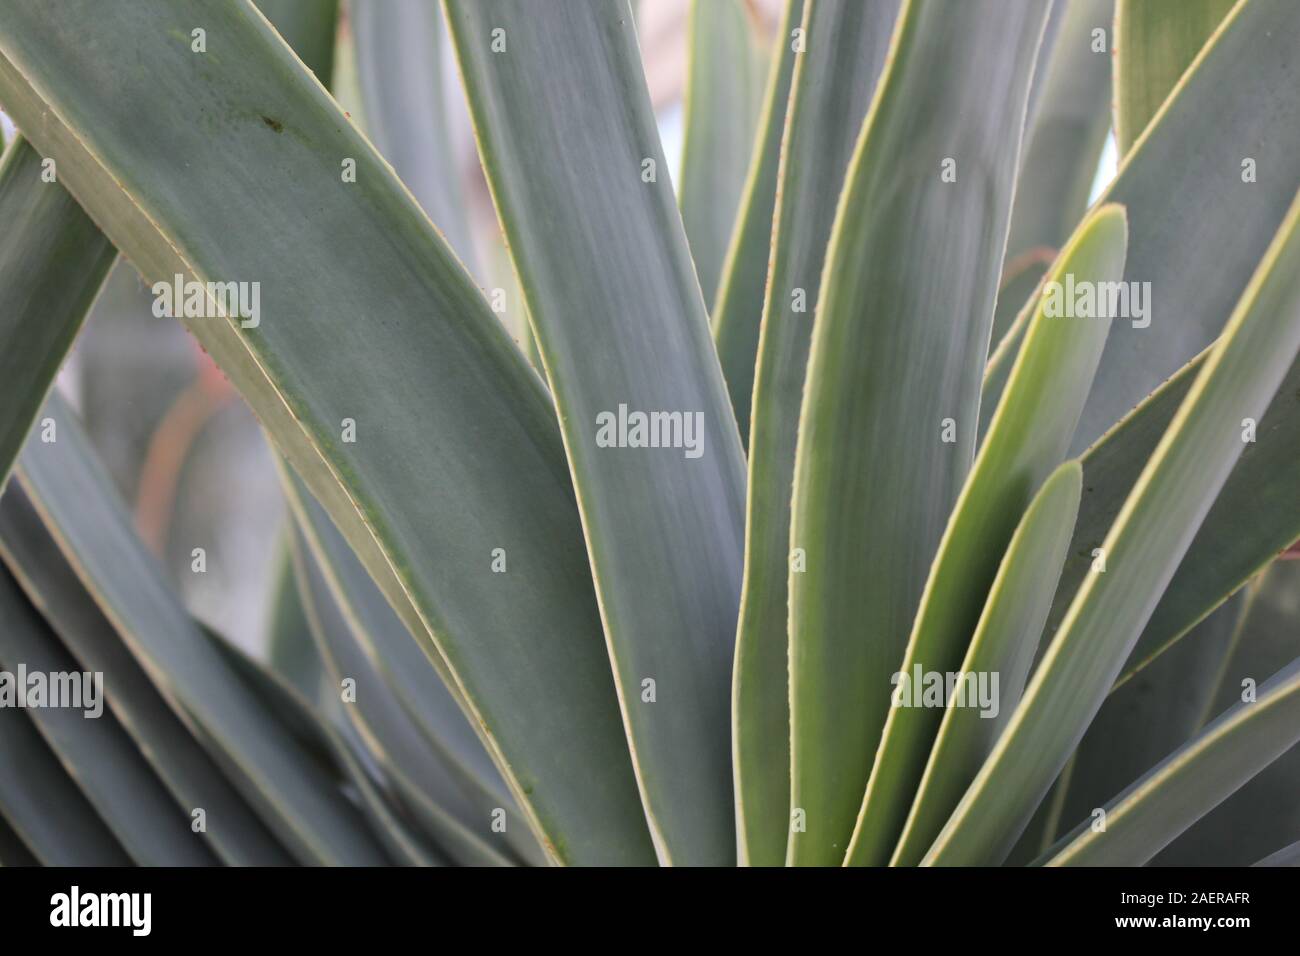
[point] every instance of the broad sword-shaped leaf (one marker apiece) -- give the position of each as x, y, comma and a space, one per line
174, 146
887, 428
1138, 558
843, 45
572, 154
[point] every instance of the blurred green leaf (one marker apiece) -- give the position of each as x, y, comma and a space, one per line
415, 773
395, 832
82, 513
723, 83
1155, 42
1263, 814
290, 651
388, 649
98, 754
1287, 856
235, 833
403, 80
1151, 715
1064, 140
13, 851
43, 805
309, 27
1255, 516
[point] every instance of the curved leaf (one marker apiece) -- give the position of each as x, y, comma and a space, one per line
416, 774
1263, 814
1146, 718
386, 648
393, 830
43, 805
457, 452
1192, 780
1138, 557
91, 744
1003, 645
81, 511
233, 829
1255, 516
1026, 441
1185, 186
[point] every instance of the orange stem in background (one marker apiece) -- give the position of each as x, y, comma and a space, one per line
170, 446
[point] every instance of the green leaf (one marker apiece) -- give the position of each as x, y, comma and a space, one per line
364, 314
1287, 856
235, 833
415, 773
13, 851
1003, 645
1155, 42
565, 130
898, 350
52, 262
88, 740
719, 115
829, 97
308, 26
391, 828
1192, 780
1146, 718
405, 672
738, 311
43, 805
1194, 276
81, 511
1016, 295
290, 652
1140, 554
1255, 516
1263, 814
403, 81
1026, 441
1065, 137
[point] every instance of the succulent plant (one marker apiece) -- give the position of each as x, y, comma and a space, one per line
880, 496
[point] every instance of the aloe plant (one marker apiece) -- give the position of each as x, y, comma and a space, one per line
876, 499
